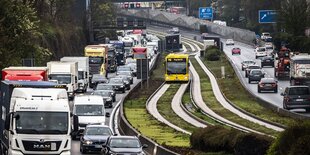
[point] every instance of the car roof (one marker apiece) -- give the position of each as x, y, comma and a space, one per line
125, 137
268, 80
97, 125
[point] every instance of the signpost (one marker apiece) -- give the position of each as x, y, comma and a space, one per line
206, 13
267, 16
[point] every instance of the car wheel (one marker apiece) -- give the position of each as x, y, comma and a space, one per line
242, 68
114, 99
82, 150
255, 57
262, 66
123, 91
250, 81
276, 90
258, 90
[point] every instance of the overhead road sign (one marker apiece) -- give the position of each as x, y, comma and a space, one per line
267, 16
206, 13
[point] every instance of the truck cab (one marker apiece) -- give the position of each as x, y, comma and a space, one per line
120, 52
90, 110
64, 73
112, 62
128, 44
37, 120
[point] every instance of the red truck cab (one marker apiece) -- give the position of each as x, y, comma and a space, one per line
25, 74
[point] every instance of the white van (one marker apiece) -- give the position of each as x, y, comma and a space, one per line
90, 110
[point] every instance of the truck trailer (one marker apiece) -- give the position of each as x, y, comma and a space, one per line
64, 73
300, 70
83, 71
36, 118
25, 73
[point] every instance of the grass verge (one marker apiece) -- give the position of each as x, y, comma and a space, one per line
165, 109
243, 99
210, 100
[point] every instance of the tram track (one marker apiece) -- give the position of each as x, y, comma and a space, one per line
198, 101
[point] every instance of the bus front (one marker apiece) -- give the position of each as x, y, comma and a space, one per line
177, 69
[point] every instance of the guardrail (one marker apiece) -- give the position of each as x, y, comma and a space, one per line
126, 128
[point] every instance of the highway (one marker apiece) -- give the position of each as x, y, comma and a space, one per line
247, 53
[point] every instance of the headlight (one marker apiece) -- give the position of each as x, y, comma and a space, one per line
122, 86
112, 94
88, 142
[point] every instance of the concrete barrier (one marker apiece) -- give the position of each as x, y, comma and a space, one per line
192, 23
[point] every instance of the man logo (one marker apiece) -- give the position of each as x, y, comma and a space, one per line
42, 146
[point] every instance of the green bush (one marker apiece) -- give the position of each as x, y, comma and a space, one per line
252, 144
218, 138
293, 141
213, 54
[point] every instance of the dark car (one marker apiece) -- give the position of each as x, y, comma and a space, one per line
246, 63
93, 137
107, 97
96, 79
126, 80
107, 87
123, 145
123, 68
256, 75
133, 67
295, 97
267, 84
236, 50
118, 84
267, 61
249, 68
128, 74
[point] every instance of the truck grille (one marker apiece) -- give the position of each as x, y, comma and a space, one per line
41, 145
94, 68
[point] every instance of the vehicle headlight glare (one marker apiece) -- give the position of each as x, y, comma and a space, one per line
88, 142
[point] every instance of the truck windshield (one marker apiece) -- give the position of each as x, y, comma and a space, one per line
89, 110
111, 54
119, 50
61, 78
176, 67
42, 122
95, 60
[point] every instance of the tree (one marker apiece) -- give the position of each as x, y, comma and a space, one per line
19, 29
294, 16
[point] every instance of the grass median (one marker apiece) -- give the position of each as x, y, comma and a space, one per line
211, 101
235, 92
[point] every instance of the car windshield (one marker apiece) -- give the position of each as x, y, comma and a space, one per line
89, 110
124, 143
248, 62
256, 72
299, 91
81, 75
104, 87
102, 93
42, 122
61, 78
261, 49
176, 67
268, 81
103, 131
114, 80
254, 67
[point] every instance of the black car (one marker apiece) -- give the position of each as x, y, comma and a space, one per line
295, 97
256, 75
249, 68
93, 137
123, 145
267, 61
128, 74
107, 97
126, 81
96, 79
267, 84
107, 87
118, 84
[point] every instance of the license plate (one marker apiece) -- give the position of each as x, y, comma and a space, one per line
268, 85
98, 146
267, 60
299, 100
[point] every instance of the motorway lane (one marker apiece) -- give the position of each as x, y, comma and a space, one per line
75, 145
247, 53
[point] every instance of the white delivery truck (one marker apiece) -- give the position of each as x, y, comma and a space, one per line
64, 73
83, 71
36, 118
90, 110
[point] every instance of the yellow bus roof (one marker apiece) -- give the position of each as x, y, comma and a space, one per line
176, 55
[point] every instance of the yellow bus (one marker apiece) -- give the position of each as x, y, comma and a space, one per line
177, 67
97, 58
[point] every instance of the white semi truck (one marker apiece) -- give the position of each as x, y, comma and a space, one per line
64, 73
36, 118
83, 71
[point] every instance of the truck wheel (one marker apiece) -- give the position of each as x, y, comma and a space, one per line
123, 91
258, 90
250, 81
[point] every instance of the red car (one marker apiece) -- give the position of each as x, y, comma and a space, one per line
236, 50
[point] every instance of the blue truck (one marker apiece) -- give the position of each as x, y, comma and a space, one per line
120, 52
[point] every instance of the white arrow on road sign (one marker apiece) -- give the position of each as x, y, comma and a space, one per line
265, 15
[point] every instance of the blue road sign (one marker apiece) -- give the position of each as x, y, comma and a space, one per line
206, 13
267, 16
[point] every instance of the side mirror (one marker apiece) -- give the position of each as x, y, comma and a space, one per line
7, 121
145, 146
107, 114
75, 123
